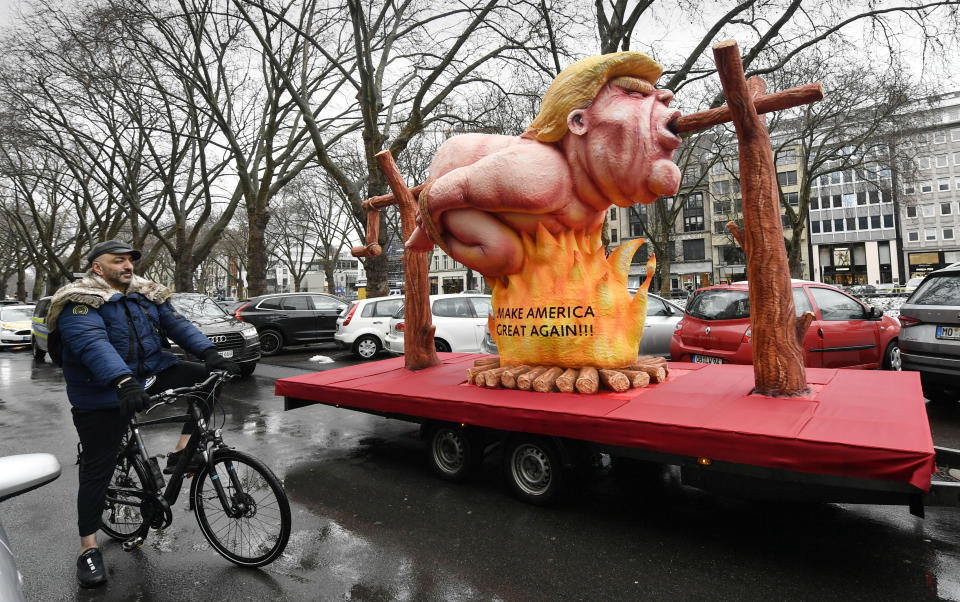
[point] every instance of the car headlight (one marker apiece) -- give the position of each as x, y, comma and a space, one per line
249, 333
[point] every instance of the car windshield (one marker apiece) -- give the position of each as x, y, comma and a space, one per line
16, 314
938, 290
197, 307
719, 304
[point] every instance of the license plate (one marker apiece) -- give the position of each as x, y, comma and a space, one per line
226, 353
25, 337
948, 332
706, 359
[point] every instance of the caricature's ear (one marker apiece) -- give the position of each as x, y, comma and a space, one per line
575, 122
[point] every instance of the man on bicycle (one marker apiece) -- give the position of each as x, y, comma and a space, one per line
112, 326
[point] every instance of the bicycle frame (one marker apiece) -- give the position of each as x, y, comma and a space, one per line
202, 436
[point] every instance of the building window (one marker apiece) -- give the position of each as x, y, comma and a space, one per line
613, 235
815, 227
874, 196
930, 234
721, 206
721, 187
861, 198
827, 226
613, 213
923, 162
693, 213
862, 222
943, 160
955, 135
731, 255
836, 177
837, 200
957, 182
787, 178
913, 236
815, 201
635, 229
720, 227
888, 220
693, 250
943, 184
849, 200
838, 225
939, 137
792, 198
911, 211
948, 234
926, 210
946, 208
926, 187
908, 188
851, 224
875, 222
956, 158
787, 156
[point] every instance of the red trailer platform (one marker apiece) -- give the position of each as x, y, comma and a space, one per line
867, 427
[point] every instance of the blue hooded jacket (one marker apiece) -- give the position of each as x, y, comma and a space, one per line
107, 335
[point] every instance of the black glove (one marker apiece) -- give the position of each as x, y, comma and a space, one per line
214, 361
132, 396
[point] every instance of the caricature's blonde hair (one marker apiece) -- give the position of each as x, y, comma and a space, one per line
577, 85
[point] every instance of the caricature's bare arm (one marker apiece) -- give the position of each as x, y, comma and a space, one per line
520, 179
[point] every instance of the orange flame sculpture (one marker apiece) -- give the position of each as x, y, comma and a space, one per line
569, 305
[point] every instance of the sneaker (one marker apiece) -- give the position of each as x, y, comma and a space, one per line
90, 571
174, 457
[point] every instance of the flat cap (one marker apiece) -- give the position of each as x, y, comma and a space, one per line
112, 246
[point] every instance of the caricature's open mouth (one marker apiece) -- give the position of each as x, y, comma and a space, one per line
669, 139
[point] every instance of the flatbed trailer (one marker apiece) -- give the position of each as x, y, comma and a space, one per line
857, 437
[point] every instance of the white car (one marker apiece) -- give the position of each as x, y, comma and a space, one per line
460, 320
362, 326
16, 325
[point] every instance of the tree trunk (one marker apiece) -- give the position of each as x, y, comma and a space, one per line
257, 253
795, 254
183, 269
331, 284
777, 355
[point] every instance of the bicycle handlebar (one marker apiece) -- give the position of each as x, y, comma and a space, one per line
171, 395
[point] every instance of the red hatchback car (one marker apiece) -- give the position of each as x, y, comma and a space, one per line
845, 333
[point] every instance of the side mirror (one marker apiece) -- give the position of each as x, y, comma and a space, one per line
874, 313
21, 473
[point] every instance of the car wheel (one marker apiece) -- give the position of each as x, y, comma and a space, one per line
366, 347
441, 345
38, 354
532, 467
247, 368
892, 359
271, 342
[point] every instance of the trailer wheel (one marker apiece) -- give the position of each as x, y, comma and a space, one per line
454, 453
532, 465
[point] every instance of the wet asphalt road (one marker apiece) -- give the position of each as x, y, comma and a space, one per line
372, 523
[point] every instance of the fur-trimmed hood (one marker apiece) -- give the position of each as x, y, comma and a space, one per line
94, 291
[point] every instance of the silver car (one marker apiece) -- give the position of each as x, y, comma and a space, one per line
930, 333
19, 474
662, 318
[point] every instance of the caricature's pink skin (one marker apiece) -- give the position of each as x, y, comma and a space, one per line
487, 189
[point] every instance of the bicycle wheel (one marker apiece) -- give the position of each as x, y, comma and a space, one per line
122, 518
256, 536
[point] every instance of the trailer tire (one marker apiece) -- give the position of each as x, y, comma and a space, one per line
454, 452
533, 468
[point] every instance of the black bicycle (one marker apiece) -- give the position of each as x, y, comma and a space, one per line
240, 504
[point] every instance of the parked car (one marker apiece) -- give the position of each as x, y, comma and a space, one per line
662, 317
912, 285
845, 333
20, 474
930, 335
460, 321
15, 325
233, 338
363, 327
292, 318
39, 328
